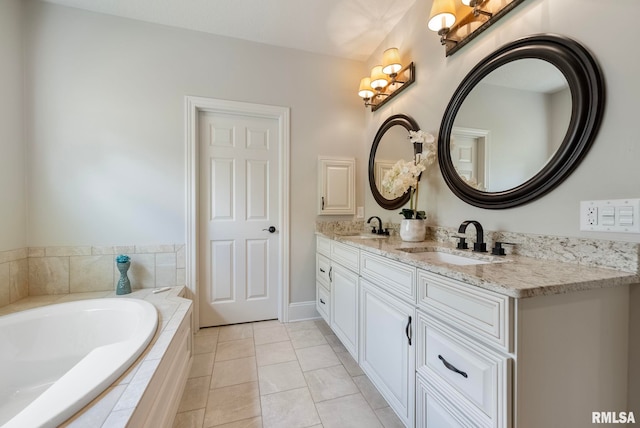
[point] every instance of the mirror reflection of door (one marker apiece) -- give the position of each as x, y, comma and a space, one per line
470, 156
382, 166
526, 104
394, 146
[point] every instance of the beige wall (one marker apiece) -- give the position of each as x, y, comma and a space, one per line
12, 170
105, 132
106, 106
610, 169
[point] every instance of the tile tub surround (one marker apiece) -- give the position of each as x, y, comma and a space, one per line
515, 276
116, 404
39, 271
14, 276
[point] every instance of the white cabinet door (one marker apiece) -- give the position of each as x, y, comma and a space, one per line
344, 307
336, 186
387, 354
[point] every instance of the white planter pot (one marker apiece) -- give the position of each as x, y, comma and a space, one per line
413, 230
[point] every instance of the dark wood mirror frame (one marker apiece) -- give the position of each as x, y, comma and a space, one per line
395, 120
586, 84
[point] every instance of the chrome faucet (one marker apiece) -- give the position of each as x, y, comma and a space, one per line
379, 231
479, 245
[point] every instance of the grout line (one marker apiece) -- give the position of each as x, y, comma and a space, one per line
351, 377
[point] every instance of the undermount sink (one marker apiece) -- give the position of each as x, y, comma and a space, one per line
440, 255
362, 235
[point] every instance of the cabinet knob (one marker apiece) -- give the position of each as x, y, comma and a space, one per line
322, 301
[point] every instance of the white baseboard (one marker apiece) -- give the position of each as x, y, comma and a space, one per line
301, 311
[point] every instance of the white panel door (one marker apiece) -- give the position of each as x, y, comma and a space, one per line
464, 155
470, 154
239, 200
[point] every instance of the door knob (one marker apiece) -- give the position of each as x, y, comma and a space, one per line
271, 229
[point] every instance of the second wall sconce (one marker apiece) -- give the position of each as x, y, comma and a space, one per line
457, 22
386, 80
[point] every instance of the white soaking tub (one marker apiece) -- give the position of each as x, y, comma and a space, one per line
56, 359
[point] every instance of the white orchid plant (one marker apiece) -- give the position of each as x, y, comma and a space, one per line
404, 176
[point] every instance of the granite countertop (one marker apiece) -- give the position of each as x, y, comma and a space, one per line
510, 275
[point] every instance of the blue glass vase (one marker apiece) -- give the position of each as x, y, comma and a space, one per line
124, 285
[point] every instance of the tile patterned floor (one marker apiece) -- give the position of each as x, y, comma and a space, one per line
272, 375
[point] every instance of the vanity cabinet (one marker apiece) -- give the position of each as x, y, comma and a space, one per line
323, 282
344, 304
395, 277
446, 354
488, 360
465, 372
387, 353
336, 186
463, 357
337, 286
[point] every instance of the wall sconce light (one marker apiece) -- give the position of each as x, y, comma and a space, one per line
386, 80
460, 21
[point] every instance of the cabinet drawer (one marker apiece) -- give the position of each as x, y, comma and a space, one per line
346, 255
486, 314
323, 245
323, 303
434, 410
323, 268
396, 277
465, 368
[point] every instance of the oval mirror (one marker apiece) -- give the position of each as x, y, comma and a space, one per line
390, 144
521, 121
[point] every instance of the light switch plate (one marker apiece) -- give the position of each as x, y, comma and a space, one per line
616, 215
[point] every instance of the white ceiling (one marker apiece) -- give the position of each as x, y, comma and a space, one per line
345, 28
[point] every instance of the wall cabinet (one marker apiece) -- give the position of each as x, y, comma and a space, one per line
336, 186
387, 353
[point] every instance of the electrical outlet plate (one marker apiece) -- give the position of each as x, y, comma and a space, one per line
616, 215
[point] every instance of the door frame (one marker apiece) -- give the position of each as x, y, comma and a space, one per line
193, 106
484, 145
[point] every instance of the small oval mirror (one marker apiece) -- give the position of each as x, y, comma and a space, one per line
390, 144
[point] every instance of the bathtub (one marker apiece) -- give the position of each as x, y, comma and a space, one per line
56, 359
